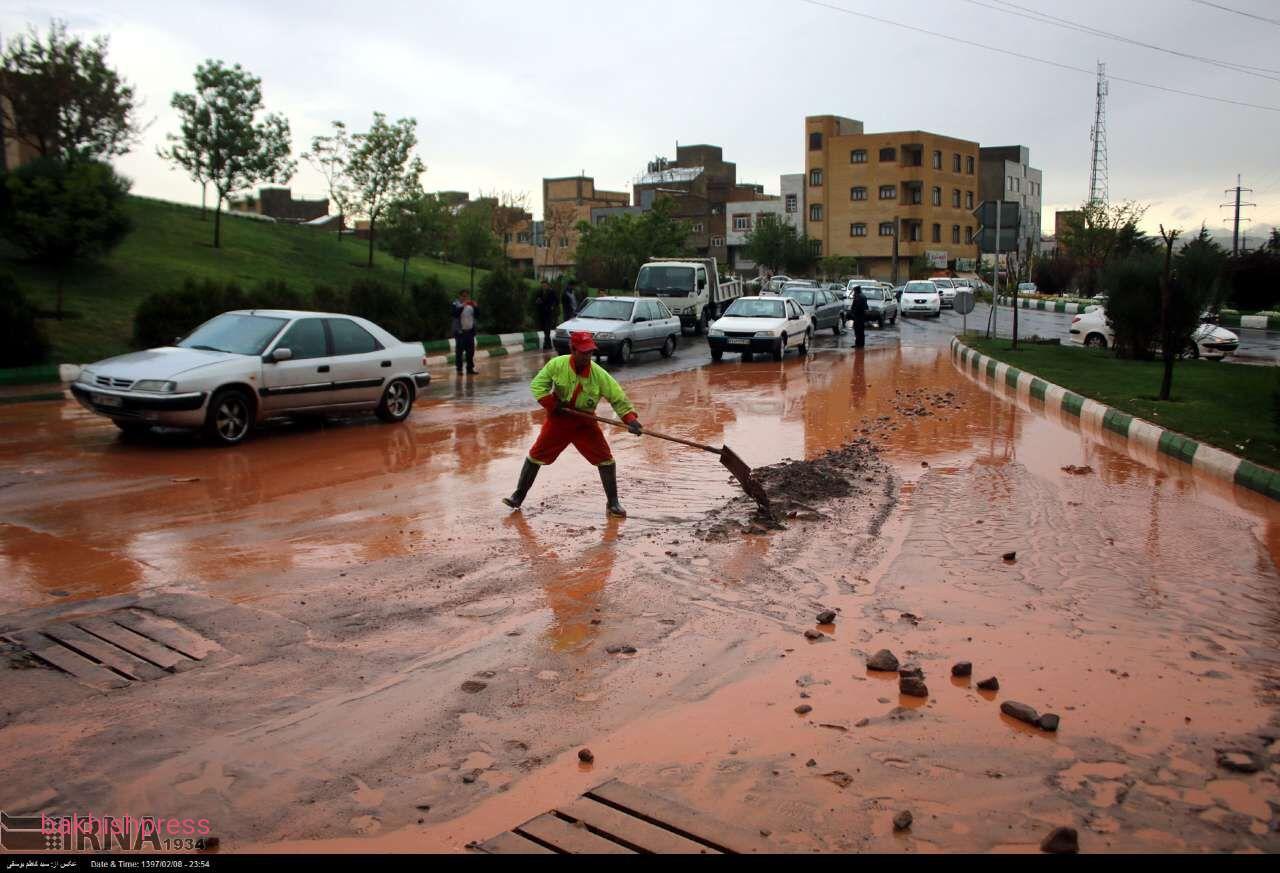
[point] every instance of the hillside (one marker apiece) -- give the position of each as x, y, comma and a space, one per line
170, 242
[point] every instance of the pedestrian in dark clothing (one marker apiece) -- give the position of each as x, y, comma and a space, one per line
859, 312
464, 332
545, 303
569, 300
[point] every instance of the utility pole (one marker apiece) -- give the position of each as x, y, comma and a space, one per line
1235, 226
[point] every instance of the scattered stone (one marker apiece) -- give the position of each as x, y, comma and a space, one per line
882, 700
990, 684
962, 668
1077, 471
834, 727
913, 686
839, 777
1061, 841
804, 709
585, 756
862, 722
1020, 711
811, 763
909, 616
473, 687
1239, 761
1048, 722
827, 617
1010, 556
911, 670
468, 778
620, 649
628, 650
423, 807
812, 634
884, 661
902, 821
764, 832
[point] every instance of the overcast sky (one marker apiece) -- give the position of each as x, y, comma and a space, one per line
507, 93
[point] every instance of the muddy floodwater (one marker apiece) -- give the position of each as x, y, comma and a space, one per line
405, 665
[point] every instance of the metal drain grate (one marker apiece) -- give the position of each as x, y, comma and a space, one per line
116, 649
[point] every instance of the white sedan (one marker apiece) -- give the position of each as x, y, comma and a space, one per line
761, 324
1091, 329
946, 292
920, 297
245, 366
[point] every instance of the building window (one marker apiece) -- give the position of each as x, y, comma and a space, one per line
915, 195
857, 193
886, 228
937, 233
858, 156
969, 164
815, 246
697, 227
792, 206
742, 222
523, 237
1010, 183
815, 141
955, 198
1017, 184
968, 200
888, 192
815, 178
857, 229
937, 160
955, 233
889, 154
937, 194
815, 212
717, 242
955, 162
913, 232
968, 234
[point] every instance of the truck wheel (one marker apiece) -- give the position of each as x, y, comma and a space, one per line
700, 326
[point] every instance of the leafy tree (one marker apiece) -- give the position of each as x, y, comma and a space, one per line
504, 300
1053, 275
382, 167
610, 254
1202, 265
64, 212
61, 98
800, 255
220, 140
472, 241
1133, 304
510, 210
769, 241
329, 155
1254, 280
416, 225
22, 342
1097, 233
558, 221
835, 267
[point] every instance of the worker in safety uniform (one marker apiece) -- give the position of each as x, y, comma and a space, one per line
575, 381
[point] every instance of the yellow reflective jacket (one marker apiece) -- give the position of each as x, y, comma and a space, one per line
558, 378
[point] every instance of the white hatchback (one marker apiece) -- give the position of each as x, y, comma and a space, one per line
761, 324
1090, 329
920, 297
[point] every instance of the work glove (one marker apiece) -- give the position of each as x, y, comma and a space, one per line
634, 426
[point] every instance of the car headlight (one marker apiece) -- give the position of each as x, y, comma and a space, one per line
766, 333
714, 332
604, 335
157, 385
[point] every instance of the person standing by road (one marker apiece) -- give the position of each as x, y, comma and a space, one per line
858, 310
545, 303
464, 332
569, 300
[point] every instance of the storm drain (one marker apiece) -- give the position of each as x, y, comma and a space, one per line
116, 649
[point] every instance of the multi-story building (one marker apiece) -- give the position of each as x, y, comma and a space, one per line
565, 202
744, 215
1007, 175
888, 198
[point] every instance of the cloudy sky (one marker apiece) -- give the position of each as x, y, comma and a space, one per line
507, 93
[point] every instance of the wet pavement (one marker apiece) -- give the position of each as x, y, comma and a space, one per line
365, 580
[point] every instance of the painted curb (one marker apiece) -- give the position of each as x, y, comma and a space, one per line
1144, 438
495, 352
1046, 305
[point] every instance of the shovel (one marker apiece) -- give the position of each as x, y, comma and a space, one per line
728, 457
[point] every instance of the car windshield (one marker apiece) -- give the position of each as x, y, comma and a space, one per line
610, 310
872, 295
803, 297
943, 283
237, 334
921, 288
745, 307
665, 281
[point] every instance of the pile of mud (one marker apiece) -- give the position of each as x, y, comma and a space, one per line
795, 487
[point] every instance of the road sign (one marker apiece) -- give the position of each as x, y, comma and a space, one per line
964, 301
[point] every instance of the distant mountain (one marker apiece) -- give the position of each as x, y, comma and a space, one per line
1251, 236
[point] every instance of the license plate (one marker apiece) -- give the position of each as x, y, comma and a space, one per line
106, 400
738, 342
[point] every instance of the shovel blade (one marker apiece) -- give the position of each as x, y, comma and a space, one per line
742, 473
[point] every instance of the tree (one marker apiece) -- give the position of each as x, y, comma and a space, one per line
1097, 233
62, 98
219, 134
1202, 264
413, 226
510, 210
64, 212
610, 254
22, 342
558, 219
835, 267
1170, 337
769, 241
472, 241
382, 167
329, 155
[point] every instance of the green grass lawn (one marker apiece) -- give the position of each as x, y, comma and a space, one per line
170, 242
1230, 406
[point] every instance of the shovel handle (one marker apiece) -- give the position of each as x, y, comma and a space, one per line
662, 436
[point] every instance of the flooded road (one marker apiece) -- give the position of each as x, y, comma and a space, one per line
365, 573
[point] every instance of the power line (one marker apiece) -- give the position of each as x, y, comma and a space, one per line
1055, 21
1274, 21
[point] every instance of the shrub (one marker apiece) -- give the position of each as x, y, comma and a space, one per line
326, 298
22, 341
164, 315
431, 306
385, 306
1133, 304
504, 299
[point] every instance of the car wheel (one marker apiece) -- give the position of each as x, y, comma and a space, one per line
131, 428
804, 346
623, 355
748, 357
893, 320
781, 349
717, 355
837, 329
669, 347
880, 324
397, 401
230, 417
1095, 341
1191, 352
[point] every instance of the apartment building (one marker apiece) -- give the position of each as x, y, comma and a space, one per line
744, 215
565, 202
887, 198
1006, 174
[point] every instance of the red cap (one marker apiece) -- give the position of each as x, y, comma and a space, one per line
582, 341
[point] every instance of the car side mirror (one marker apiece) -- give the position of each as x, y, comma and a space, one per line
281, 355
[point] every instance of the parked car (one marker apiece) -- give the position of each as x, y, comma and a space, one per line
946, 291
1090, 329
920, 297
248, 365
822, 306
623, 326
881, 306
770, 324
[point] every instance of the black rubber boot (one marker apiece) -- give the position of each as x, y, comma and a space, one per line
609, 479
528, 473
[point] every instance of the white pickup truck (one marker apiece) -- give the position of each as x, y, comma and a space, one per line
690, 287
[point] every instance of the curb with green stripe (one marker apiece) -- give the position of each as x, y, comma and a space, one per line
1070, 308
1138, 433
